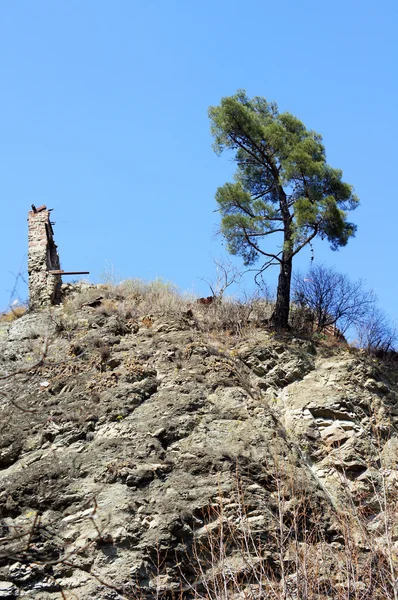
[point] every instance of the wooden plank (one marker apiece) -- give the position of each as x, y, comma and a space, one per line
60, 272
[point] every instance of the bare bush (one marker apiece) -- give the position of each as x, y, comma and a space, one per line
376, 333
332, 298
226, 275
110, 275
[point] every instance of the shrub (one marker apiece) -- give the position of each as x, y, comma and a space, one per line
376, 333
331, 298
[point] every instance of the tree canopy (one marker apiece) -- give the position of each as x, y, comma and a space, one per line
282, 185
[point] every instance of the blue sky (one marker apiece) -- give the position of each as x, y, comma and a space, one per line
103, 117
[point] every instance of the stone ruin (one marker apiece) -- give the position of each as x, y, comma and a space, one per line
43, 259
44, 267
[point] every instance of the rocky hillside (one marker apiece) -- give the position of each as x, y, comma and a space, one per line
151, 447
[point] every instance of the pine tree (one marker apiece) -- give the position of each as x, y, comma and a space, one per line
282, 186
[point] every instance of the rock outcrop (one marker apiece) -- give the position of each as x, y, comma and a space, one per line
141, 457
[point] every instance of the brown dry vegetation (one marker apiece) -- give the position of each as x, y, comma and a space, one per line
12, 314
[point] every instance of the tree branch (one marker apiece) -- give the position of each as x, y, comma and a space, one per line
253, 245
307, 241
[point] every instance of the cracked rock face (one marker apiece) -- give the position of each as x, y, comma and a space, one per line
136, 444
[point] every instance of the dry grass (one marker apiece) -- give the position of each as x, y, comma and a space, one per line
137, 301
156, 297
13, 314
235, 557
298, 548
143, 301
234, 317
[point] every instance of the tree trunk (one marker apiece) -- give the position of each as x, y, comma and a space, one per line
280, 318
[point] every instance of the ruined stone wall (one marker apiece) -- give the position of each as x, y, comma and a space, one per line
44, 288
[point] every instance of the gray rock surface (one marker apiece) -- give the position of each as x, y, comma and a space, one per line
132, 447
8, 590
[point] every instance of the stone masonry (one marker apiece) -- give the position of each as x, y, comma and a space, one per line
44, 288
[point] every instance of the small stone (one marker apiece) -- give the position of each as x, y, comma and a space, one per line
114, 362
140, 477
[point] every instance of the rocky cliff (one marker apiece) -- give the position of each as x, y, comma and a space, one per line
150, 450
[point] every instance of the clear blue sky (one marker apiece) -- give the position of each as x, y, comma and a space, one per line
103, 114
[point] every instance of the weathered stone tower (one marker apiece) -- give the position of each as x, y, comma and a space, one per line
44, 287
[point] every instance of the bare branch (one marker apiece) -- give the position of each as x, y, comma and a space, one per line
227, 274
